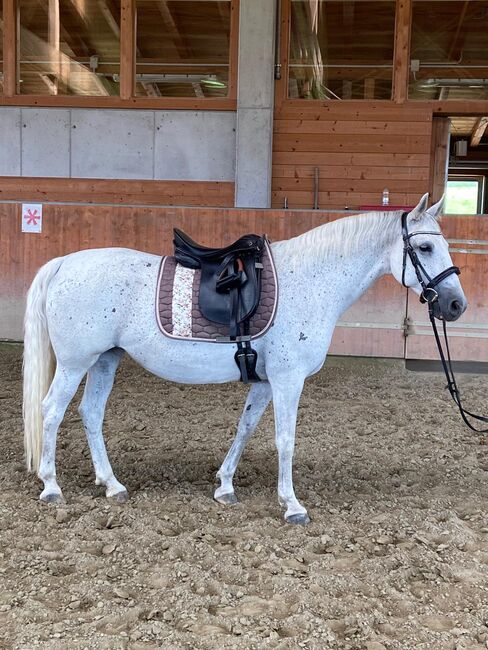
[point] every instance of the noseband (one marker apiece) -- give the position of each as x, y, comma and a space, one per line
429, 293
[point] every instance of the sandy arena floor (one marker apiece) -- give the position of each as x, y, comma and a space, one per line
396, 555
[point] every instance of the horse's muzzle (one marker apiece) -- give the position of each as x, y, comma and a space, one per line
450, 307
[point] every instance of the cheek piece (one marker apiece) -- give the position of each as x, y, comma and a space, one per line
429, 295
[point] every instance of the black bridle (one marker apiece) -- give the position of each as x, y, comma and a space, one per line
430, 296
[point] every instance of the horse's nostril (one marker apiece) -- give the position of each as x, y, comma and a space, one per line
455, 306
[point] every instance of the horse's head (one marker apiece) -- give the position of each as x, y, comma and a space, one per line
420, 260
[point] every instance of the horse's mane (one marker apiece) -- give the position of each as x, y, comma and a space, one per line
344, 236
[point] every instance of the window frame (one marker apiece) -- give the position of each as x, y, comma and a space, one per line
401, 72
127, 98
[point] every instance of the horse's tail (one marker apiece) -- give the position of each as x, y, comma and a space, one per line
39, 362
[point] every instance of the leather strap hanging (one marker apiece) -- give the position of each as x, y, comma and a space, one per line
429, 295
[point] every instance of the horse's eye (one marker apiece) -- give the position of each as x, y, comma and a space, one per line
425, 248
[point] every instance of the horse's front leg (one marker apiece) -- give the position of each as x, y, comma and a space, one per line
286, 395
257, 400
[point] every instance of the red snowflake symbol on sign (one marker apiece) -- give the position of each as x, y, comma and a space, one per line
32, 216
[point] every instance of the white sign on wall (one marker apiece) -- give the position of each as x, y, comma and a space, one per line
31, 217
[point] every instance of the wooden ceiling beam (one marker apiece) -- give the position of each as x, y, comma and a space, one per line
151, 89
172, 28
455, 40
478, 131
51, 85
109, 17
53, 33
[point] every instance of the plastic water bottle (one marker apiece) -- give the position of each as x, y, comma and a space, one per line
386, 197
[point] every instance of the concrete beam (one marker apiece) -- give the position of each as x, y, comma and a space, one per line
10, 139
194, 145
255, 101
45, 142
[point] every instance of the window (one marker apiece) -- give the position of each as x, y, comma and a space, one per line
341, 49
449, 51
183, 48
464, 195
119, 53
69, 48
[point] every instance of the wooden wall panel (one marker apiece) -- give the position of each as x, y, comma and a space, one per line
358, 150
468, 238
92, 190
372, 327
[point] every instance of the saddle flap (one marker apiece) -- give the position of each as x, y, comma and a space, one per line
216, 299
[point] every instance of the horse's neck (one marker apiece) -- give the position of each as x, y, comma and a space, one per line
354, 275
342, 271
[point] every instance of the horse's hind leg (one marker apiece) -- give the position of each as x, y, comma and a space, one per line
258, 399
99, 383
60, 394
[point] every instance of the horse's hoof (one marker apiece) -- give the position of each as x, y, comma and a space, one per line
301, 519
228, 499
119, 497
52, 497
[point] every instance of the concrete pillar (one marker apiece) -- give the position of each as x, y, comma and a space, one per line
255, 98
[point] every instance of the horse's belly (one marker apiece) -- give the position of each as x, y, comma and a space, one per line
189, 362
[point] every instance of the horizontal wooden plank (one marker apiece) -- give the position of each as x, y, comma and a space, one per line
152, 103
358, 127
351, 143
361, 159
418, 109
341, 200
123, 192
346, 171
354, 111
345, 185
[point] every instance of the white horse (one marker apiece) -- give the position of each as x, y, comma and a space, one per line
85, 309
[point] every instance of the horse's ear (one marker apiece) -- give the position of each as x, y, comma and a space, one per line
419, 209
436, 209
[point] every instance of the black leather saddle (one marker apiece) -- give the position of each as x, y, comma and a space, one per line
230, 288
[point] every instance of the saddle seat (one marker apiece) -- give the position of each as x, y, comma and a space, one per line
230, 288
186, 245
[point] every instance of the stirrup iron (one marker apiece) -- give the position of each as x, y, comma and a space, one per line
246, 359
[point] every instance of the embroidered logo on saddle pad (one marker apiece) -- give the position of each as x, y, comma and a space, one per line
178, 312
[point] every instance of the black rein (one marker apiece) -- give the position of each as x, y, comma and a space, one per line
429, 295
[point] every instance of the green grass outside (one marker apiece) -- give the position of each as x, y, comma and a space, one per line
462, 197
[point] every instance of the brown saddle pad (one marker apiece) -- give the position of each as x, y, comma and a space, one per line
179, 315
